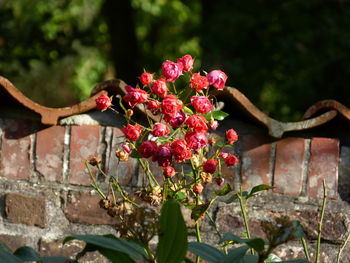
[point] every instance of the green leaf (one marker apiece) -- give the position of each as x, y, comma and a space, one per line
224, 191
219, 115
27, 254
110, 242
199, 210
135, 154
188, 110
272, 258
298, 229
235, 255
57, 260
8, 257
249, 259
257, 243
116, 257
5, 248
180, 196
207, 252
172, 244
296, 261
258, 188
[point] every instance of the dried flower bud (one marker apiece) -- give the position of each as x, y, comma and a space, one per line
195, 159
122, 155
94, 161
129, 112
197, 188
206, 177
105, 203
112, 211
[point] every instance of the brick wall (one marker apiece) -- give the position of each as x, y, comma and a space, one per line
45, 193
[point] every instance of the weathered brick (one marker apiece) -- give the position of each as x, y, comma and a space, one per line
324, 160
24, 209
84, 208
15, 150
289, 166
70, 249
255, 161
49, 152
83, 144
13, 242
126, 170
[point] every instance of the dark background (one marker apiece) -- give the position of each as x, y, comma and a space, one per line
283, 55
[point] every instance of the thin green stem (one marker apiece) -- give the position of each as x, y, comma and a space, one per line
306, 251
148, 173
215, 226
342, 247
94, 183
318, 246
244, 213
198, 231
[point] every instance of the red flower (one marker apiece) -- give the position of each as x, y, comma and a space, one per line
231, 160
198, 82
180, 150
147, 149
195, 140
171, 105
159, 87
176, 121
171, 70
160, 129
197, 122
197, 188
231, 136
132, 132
163, 155
168, 171
146, 78
154, 106
187, 63
202, 104
219, 181
103, 102
135, 96
210, 166
217, 78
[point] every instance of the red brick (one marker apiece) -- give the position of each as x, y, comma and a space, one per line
23, 209
15, 150
49, 152
83, 144
289, 166
13, 242
255, 161
84, 208
324, 160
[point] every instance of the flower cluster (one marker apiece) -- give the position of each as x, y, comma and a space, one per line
181, 134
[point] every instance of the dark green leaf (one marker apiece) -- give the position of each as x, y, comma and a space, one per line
180, 196
206, 252
27, 254
298, 229
7, 257
258, 188
172, 244
57, 260
135, 154
116, 257
187, 260
296, 261
224, 191
235, 255
257, 243
5, 248
199, 210
249, 259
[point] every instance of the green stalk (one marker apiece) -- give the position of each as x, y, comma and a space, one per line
94, 183
198, 231
244, 213
306, 251
318, 246
342, 247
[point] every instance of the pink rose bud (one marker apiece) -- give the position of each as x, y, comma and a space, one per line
231, 136
217, 78
196, 140
126, 147
132, 132
103, 102
223, 155
135, 96
160, 88
168, 171
171, 105
176, 121
213, 124
197, 122
219, 181
187, 63
202, 104
147, 149
163, 155
231, 160
160, 129
197, 188
154, 106
171, 70
198, 82
210, 166
146, 78
180, 150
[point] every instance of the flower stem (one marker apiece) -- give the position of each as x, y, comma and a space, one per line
342, 247
94, 183
306, 251
198, 231
244, 213
318, 246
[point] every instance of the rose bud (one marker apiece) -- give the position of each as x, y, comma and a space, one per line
206, 177
223, 155
217, 78
180, 150
129, 112
94, 161
122, 155
231, 160
160, 88
176, 121
103, 102
231, 136
212, 140
147, 149
154, 106
168, 171
135, 96
197, 188
210, 166
219, 181
163, 155
171, 70
198, 82
126, 147
195, 140
202, 104
132, 132
146, 78
187, 63
171, 105
197, 122
213, 124
160, 129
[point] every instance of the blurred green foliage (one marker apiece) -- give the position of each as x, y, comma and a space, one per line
283, 55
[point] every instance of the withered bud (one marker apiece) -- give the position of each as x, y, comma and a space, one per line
129, 112
206, 177
94, 161
195, 160
105, 203
112, 211
122, 155
211, 141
